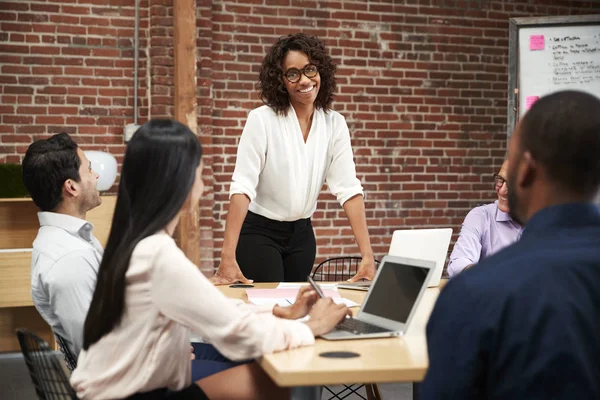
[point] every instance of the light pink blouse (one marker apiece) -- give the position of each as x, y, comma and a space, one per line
166, 296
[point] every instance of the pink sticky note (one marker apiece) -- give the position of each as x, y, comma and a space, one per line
529, 100
536, 42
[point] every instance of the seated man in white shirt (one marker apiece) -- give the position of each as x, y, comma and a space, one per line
66, 255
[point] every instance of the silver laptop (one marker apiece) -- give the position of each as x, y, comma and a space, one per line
423, 244
391, 303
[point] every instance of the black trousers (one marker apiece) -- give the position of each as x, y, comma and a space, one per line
192, 392
276, 251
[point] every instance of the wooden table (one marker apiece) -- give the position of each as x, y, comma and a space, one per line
402, 359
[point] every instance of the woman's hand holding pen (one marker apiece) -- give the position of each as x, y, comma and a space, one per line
325, 315
305, 300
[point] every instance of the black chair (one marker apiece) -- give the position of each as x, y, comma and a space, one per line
371, 390
334, 270
47, 373
70, 358
337, 269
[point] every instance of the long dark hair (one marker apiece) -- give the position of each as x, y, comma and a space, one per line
157, 175
270, 81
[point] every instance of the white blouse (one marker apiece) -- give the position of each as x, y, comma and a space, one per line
166, 296
282, 175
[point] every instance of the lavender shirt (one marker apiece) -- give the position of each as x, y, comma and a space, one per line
485, 231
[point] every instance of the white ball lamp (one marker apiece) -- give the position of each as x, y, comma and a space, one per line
105, 165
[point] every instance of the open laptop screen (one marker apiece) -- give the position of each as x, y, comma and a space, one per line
394, 293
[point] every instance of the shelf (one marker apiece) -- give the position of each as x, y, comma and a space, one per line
15, 285
14, 199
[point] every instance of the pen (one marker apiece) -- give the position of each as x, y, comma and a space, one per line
320, 292
315, 286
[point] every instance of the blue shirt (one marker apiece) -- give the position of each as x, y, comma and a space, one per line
525, 322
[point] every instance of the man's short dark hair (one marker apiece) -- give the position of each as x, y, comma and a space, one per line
48, 163
562, 133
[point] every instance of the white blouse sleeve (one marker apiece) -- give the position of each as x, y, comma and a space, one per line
251, 157
182, 293
341, 175
252, 307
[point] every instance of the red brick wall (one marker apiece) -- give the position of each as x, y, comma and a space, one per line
66, 66
422, 83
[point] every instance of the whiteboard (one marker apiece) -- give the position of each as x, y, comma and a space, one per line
550, 54
554, 58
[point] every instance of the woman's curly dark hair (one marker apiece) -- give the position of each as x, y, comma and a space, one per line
272, 87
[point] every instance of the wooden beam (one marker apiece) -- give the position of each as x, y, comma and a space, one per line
186, 105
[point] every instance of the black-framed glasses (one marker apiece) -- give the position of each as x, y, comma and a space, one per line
499, 180
293, 75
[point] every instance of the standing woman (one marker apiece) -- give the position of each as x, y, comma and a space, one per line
288, 149
149, 295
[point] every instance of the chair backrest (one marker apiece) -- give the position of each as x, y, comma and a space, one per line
44, 367
337, 269
70, 358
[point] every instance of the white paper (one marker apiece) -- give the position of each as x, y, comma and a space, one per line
259, 301
283, 302
347, 302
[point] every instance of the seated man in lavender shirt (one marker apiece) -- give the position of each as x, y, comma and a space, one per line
485, 230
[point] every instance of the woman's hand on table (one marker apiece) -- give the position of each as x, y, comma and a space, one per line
366, 270
325, 315
229, 272
305, 300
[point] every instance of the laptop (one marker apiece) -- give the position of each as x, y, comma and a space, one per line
423, 244
391, 303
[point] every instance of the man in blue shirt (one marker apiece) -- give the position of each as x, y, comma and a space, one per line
525, 322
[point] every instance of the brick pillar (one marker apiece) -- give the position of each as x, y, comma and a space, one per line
205, 126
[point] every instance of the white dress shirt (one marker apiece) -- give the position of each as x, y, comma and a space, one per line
166, 296
64, 269
282, 175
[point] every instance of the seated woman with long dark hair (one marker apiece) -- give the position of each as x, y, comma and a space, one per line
149, 295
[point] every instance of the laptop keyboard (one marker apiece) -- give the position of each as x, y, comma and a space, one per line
356, 326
